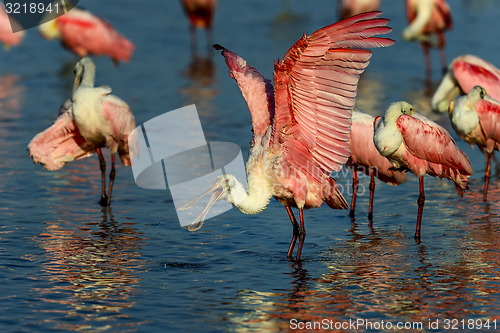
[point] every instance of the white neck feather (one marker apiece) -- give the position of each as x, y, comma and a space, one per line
257, 198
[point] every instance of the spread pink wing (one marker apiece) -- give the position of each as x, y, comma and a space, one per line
430, 142
470, 71
488, 112
84, 32
315, 88
122, 121
60, 143
257, 91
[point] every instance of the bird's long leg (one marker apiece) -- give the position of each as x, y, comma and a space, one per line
487, 175
428, 63
102, 165
194, 40
112, 175
372, 193
420, 201
442, 42
302, 233
355, 183
295, 226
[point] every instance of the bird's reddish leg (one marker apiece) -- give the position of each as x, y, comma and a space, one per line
442, 42
112, 175
302, 233
372, 192
428, 63
487, 175
420, 201
295, 226
355, 183
102, 165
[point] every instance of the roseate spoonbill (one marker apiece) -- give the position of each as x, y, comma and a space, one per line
84, 33
366, 158
7, 37
348, 8
429, 19
91, 120
200, 14
415, 143
301, 131
476, 119
465, 72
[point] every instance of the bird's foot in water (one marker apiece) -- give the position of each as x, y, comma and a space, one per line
104, 201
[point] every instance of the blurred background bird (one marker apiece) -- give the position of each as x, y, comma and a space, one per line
464, 73
84, 33
200, 14
428, 19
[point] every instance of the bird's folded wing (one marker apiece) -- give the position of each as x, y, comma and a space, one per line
316, 85
59, 144
488, 112
470, 71
431, 142
122, 121
257, 91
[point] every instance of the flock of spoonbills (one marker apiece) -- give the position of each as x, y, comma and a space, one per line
304, 126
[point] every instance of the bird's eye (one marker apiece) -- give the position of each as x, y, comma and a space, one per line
481, 93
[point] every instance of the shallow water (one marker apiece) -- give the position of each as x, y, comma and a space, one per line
69, 265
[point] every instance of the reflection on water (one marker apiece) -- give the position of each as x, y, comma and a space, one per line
200, 89
369, 276
10, 94
92, 270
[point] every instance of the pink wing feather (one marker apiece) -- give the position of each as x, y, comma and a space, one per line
431, 143
60, 143
470, 71
257, 91
489, 119
122, 121
315, 88
83, 32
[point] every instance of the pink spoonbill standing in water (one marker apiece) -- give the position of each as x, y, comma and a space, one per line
413, 142
429, 19
91, 120
464, 73
200, 14
476, 119
84, 33
301, 126
366, 158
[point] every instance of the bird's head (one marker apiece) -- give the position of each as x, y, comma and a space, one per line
477, 93
220, 189
84, 65
397, 109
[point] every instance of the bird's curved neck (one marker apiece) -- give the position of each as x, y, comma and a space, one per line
256, 199
88, 76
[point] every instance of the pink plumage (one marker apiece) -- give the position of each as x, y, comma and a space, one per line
92, 119
7, 37
366, 158
348, 8
476, 119
301, 129
415, 143
84, 33
428, 19
200, 12
464, 73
